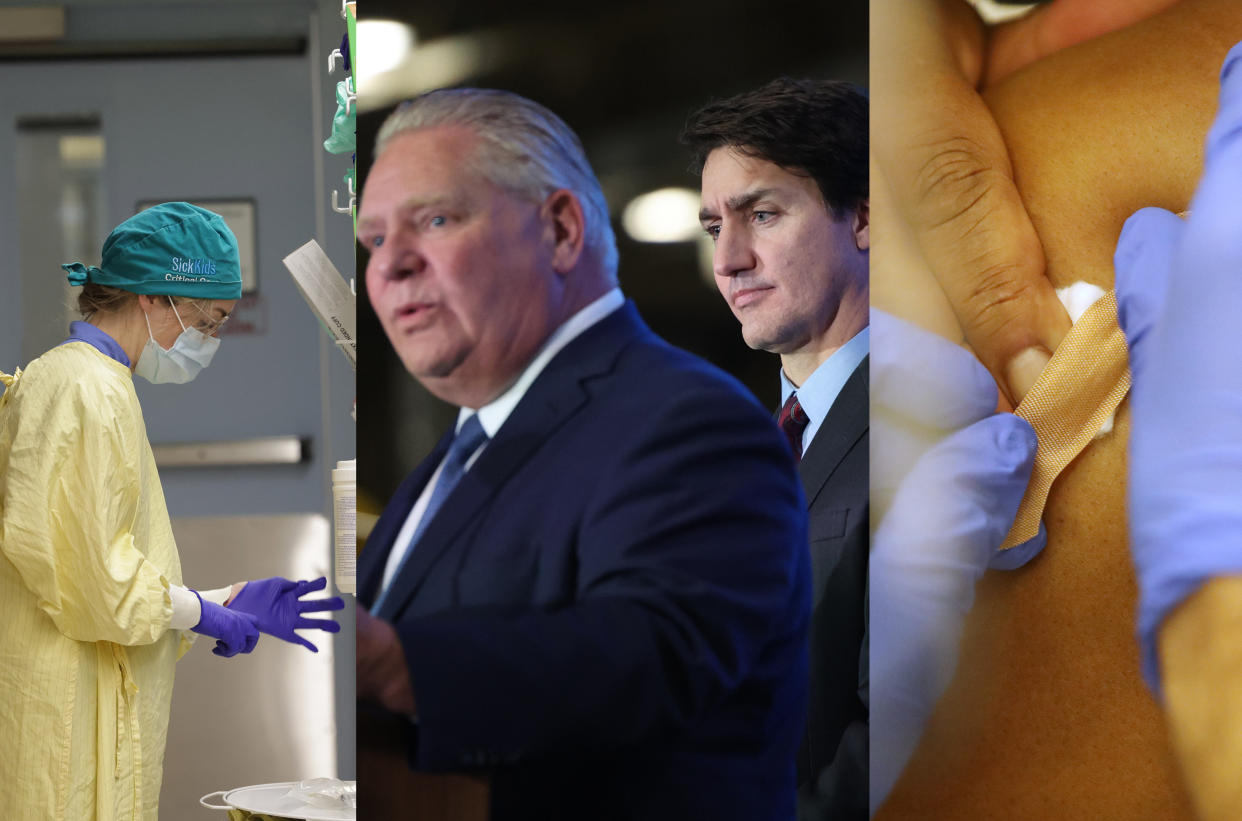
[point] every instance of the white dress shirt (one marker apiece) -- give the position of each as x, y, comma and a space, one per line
493, 415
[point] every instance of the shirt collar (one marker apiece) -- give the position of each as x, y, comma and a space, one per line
822, 387
494, 413
99, 340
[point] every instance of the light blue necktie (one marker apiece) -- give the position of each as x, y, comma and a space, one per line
464, 445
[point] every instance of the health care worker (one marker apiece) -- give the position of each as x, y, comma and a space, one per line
1179, 296
91, 594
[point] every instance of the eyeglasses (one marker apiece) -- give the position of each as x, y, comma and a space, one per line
208, 325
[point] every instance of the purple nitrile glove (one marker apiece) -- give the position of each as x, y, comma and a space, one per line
947, 475
234, 632
277, 607
1179, 294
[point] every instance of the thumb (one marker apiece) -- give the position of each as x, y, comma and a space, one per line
246, 621
959, 501
245, 618
1142, 260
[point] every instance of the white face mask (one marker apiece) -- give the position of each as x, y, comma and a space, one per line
182, 362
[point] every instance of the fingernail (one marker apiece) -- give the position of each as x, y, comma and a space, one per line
1024, 369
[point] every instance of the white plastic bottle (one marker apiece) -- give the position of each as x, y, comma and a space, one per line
345, 515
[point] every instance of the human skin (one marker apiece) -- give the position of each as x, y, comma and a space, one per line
793, 274
1048, 716
934, 137
129, 326
467, 279
1201, 662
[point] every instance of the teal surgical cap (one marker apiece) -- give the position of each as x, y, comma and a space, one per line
174, 249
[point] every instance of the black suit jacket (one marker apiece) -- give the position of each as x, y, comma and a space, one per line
609, 613
835, 473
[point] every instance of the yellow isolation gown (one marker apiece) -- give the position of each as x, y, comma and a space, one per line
86, 557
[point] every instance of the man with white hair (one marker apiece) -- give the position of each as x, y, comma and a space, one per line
595, 589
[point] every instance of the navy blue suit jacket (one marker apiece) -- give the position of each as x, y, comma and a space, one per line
609, 614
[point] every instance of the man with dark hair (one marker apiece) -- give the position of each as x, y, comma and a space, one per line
785, 200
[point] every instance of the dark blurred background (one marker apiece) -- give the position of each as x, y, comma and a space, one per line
624, 76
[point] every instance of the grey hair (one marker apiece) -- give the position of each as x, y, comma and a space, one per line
524, 148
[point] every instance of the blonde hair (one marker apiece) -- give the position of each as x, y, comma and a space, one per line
105, 299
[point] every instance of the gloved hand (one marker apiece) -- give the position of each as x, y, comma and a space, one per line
234, 632
954, 472
1179, 296
277, 607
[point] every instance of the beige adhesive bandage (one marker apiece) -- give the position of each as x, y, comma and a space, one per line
1080, 388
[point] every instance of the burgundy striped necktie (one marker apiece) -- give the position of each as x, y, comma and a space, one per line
793, 421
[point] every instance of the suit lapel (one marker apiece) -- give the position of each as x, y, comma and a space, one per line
374, 556
847, 421
554, 397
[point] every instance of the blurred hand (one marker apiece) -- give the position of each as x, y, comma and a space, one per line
1179, 295
947, 475
381, 673
939, 149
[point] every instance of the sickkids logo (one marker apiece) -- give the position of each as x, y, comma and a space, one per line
190, 270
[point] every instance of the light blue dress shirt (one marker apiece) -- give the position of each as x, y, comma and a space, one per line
822, 387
